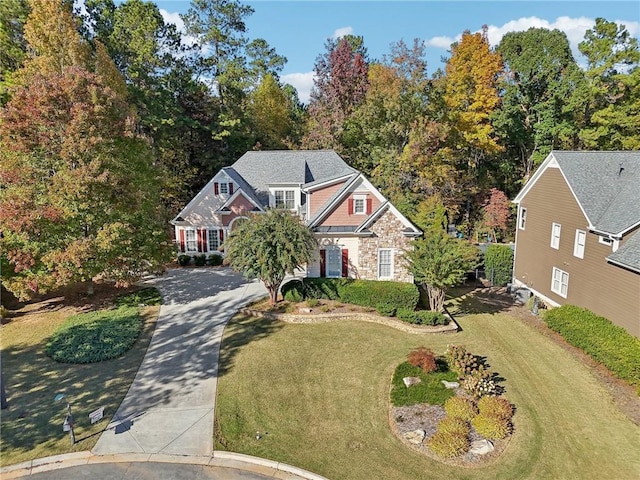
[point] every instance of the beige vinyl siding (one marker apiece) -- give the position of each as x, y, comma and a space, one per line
606, 289
317, 198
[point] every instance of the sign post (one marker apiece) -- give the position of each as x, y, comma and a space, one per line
67, 426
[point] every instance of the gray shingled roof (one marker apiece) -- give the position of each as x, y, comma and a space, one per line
607, 185
261, 169
628, 254
244, 186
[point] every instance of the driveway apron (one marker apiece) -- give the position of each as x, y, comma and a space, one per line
169, 407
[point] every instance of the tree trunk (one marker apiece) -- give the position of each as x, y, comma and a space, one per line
436, 298
90, 290
273, 293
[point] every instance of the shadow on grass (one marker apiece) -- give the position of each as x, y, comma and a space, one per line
242, 330
469, 300
32, 425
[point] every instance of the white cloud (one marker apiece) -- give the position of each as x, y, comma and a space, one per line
341, 32
573, 27
302, 82
441, 42
174, 17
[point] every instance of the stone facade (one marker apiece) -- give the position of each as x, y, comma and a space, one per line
387, 233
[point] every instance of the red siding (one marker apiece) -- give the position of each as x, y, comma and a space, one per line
341, 215
318, 198
239, 208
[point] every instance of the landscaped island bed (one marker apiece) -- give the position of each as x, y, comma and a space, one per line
321, 391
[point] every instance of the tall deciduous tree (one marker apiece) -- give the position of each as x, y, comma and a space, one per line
80, 195
613, 74
271, 114
439, 262
471, 94
269, 246
13, 46
339, 87
537, 112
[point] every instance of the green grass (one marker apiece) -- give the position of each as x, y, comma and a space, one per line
321, 392
430, 390
32, 425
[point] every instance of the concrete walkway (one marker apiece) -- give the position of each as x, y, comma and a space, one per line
169, 408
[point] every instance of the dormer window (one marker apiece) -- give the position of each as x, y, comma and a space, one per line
285, 199
223, 188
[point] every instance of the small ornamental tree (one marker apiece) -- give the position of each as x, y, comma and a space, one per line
439, 262
496, 214
269, 246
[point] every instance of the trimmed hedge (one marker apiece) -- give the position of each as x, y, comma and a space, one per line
498, 263
605, 342
382, 295
422, 317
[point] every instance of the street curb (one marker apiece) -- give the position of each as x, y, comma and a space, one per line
219, 459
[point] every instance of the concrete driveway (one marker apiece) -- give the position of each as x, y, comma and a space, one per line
169, 408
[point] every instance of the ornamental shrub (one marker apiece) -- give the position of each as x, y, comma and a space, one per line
491, 427
493, 406
459, 407
454, 425
424, 358
313, 302
215, 260
386, 309
293, 291
498, 263
461, 361
200, 260
448, 445
183, 260
422, 317
605, 342
481, 383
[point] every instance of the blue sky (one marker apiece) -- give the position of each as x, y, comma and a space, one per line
298, 29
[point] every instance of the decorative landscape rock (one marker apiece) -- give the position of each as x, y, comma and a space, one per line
450, 385
304, 310
409, 381
481, 447
416, 436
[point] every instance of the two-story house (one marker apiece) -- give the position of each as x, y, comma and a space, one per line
359, 232
578, 234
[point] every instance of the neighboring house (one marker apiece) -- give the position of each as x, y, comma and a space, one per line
578, 234
359, 232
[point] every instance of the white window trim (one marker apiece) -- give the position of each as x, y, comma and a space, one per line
392, 266
522, 218
555, 240
553, 277
333, 248
605, 240
578, 249
364, 204
284, 198
226, 187
209, 230
186, 240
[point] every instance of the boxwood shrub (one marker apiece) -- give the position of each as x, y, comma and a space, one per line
183, 260
367, 293
200, 260
605, 342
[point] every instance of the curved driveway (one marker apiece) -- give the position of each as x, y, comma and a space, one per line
169, 408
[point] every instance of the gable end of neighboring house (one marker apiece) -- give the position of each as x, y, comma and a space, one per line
578, 234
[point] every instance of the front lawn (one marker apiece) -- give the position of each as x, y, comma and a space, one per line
319, 396
32, 425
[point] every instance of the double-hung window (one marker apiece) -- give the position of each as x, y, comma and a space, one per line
359, 204
214, 239
522, 223
578, 246
191, 243
385, 263
224, 188
555, 235
560, 282
285, 199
